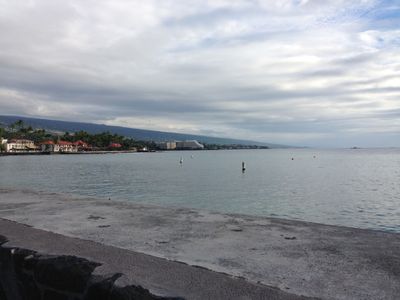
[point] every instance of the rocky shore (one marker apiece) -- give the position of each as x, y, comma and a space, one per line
297, 258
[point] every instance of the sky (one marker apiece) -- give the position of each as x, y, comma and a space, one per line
319, 73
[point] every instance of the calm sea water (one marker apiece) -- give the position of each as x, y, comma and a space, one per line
358, 188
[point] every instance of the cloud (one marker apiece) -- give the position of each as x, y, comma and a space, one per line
316, 73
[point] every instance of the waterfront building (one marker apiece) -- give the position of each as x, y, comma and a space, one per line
49, 146
60, 146
189, 145
67, 147
20, 145
171, 145
81, 145
115, 146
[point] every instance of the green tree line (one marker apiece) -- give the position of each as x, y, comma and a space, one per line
19, 130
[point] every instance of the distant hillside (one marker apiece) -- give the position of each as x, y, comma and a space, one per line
139, 134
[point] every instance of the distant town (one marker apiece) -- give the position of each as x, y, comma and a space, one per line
19, 138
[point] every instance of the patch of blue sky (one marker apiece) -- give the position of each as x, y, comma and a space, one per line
346, 15
260, 35
384, 16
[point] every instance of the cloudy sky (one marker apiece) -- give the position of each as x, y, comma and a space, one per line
301, 72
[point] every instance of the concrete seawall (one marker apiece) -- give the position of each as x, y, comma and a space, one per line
55, 267
299, 258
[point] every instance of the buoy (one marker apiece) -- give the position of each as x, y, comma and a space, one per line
181, 160
243, 166
292, 158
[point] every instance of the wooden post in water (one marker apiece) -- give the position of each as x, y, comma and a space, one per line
243, 166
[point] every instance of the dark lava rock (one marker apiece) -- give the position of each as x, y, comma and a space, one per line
135, 293
52, 295
28, 288
20, 259
100, 288
2, 292
66, 273
3, 239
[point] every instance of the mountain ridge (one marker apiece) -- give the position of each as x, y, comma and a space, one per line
139, 134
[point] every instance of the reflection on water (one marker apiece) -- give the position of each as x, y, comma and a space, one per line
359, 188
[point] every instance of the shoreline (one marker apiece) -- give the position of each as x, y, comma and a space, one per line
72, 196
303, 258
71, 153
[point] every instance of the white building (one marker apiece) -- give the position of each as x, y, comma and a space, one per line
167, 145
189, 145
49, 146
21, 145
67, 147
61, 146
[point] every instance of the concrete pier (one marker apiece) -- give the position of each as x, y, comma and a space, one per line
296, 258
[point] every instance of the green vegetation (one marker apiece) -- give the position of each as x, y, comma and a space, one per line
19, 131
105, 139
100, 141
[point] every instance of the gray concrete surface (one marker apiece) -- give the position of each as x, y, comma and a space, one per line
315, 260
160, 276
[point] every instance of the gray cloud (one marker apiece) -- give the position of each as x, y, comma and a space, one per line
296, 72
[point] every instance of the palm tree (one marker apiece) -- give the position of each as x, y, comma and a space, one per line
2, 146
19, 124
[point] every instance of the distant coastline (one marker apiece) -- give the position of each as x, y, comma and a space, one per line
19, 138
60, 127
67, 153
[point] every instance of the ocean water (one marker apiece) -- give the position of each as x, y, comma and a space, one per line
357, 188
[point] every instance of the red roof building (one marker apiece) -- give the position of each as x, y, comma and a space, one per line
115, 145
81, 144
